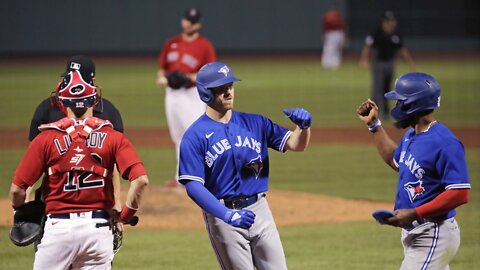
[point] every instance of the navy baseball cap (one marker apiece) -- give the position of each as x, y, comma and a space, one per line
388, 15
81, 63
192, 15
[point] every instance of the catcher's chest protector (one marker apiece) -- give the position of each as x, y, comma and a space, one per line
78, 157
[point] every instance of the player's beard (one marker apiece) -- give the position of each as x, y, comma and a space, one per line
412, 120
190, 33
403, 124
228, 105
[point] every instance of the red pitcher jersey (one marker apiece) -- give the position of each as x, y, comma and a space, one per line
76, 191
186, 56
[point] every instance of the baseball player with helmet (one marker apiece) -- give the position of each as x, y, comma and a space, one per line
78, 154
51, 110
224, 166
432, 172
180, 59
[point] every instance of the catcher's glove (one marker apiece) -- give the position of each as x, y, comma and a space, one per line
117, 238
178, 80
28, 223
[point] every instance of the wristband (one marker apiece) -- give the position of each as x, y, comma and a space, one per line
127, 213
374, 126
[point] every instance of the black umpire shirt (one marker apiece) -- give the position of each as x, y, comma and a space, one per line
48, 112
385, 45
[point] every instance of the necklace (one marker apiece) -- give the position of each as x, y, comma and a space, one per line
430, 125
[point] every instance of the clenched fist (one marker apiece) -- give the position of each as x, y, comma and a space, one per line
368, 112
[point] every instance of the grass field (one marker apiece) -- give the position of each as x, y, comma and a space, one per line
267, 86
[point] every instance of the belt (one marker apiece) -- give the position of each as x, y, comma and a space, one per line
417, 223
77, 215
242, 202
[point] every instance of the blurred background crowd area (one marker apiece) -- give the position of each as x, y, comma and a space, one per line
123, 27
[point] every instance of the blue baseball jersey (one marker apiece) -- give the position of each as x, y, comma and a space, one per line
230, 160
429, 163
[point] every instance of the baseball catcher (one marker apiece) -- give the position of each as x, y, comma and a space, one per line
79, 153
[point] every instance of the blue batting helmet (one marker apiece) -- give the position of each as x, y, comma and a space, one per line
213, 75
415, 92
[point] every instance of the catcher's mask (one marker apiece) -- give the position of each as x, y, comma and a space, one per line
213, 75
76, 91
415, 93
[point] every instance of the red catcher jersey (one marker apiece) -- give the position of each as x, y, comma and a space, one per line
69, 192
187, 57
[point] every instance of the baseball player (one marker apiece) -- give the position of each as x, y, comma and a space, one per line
179, 61
78, 154
432, 172
50, 110
224, 166
333, 38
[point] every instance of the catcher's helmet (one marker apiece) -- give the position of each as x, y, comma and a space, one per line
210, 76
77, 91
415, 92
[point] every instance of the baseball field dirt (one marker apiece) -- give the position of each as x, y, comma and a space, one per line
170, 208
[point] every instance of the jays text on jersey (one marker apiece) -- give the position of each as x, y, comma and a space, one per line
429, 163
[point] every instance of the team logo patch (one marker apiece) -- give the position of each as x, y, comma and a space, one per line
77, 159
225, 70
77, 89
414, 189
256, 165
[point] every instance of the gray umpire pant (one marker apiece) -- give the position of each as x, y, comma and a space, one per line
382, 75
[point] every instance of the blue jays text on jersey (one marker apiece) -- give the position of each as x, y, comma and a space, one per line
219, 147
429, 163
231, 159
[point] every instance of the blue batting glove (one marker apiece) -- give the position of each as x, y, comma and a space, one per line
301, 117
240, 218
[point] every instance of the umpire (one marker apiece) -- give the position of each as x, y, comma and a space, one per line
382, 47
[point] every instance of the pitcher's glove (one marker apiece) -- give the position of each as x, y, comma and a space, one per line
28, 222
177, 79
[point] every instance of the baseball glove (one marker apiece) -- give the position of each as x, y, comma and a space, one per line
28, 223
117, 239
178, 80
